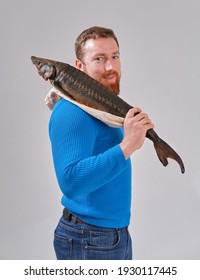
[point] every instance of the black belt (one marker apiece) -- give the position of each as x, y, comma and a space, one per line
69, 217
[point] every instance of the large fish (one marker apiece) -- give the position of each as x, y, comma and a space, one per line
79, 86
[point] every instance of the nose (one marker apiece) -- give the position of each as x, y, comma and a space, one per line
108, 65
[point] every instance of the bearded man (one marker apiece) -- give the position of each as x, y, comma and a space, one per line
92, 161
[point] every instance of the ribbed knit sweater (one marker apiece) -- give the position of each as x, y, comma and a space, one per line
92, 172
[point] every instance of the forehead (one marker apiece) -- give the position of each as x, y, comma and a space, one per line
101, 45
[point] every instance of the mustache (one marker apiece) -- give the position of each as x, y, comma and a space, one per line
110, 73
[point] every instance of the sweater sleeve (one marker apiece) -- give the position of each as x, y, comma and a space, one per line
78, 170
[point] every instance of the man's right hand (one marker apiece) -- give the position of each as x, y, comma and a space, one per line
136, 124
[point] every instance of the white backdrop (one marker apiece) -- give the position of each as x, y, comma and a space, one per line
159, 43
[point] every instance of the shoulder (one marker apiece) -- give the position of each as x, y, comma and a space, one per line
65, 110
68, 114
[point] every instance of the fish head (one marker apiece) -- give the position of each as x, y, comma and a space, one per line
44, 68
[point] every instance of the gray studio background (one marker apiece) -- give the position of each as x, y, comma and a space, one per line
159, 43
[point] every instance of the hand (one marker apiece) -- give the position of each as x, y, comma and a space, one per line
136, 124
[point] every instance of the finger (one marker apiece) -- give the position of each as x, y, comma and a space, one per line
140, 117
149, 126
132, 112
145, 120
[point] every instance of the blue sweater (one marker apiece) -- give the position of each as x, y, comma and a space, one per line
92, 172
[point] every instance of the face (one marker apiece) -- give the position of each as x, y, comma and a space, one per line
102, 62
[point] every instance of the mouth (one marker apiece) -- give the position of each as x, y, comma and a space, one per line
110, 78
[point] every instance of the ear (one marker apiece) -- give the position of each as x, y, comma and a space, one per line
79, 64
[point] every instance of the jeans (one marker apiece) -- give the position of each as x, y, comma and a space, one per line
77, 241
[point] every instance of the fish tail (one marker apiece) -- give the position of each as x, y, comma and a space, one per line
164, 151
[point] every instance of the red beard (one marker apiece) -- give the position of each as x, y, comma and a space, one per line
113, 87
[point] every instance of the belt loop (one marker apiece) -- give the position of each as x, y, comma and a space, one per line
67, 215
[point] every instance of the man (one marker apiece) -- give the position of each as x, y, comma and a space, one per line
92, 161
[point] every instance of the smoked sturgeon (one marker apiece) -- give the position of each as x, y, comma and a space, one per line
79, 86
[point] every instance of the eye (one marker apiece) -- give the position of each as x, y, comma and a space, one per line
99, 58
116, 56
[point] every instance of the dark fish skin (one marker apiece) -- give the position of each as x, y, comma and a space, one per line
79, 86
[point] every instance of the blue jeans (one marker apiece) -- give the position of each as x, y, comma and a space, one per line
77, 241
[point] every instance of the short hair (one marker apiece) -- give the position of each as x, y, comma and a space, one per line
94, 32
